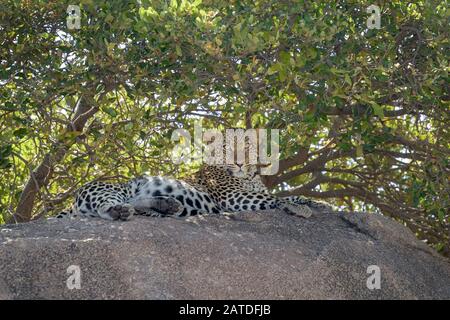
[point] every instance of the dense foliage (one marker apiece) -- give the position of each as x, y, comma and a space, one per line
363, 113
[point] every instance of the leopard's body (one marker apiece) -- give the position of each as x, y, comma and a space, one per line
213, 190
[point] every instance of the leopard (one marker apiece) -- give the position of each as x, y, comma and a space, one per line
213, 189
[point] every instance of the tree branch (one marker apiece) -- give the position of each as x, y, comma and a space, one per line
40, 177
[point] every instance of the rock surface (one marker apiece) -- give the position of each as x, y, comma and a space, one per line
265, 255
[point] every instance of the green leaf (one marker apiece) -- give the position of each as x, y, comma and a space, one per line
273, 69
5, 164
178, 50
9, 106
20, 133
347, 79
282, 75
285, 57
5, 152
441, 214
173, 4
359, 150
377, 110
110, 111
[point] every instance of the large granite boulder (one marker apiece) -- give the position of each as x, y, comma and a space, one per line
266, 255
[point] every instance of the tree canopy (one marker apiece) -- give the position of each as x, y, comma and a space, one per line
363, 112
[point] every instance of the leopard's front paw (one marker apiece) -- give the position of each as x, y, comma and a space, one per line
121, 211
158, 206
297, 210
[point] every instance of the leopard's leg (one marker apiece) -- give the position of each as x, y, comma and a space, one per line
115, 210
315, 204
66, 213
157, 206
249, 200
104, 200
295, 209
193, 200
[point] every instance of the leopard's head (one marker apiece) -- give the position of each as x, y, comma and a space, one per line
242, 170
240, 157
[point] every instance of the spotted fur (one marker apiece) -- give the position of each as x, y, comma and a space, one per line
212, 190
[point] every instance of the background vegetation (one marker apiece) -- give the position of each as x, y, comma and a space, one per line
363, 113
